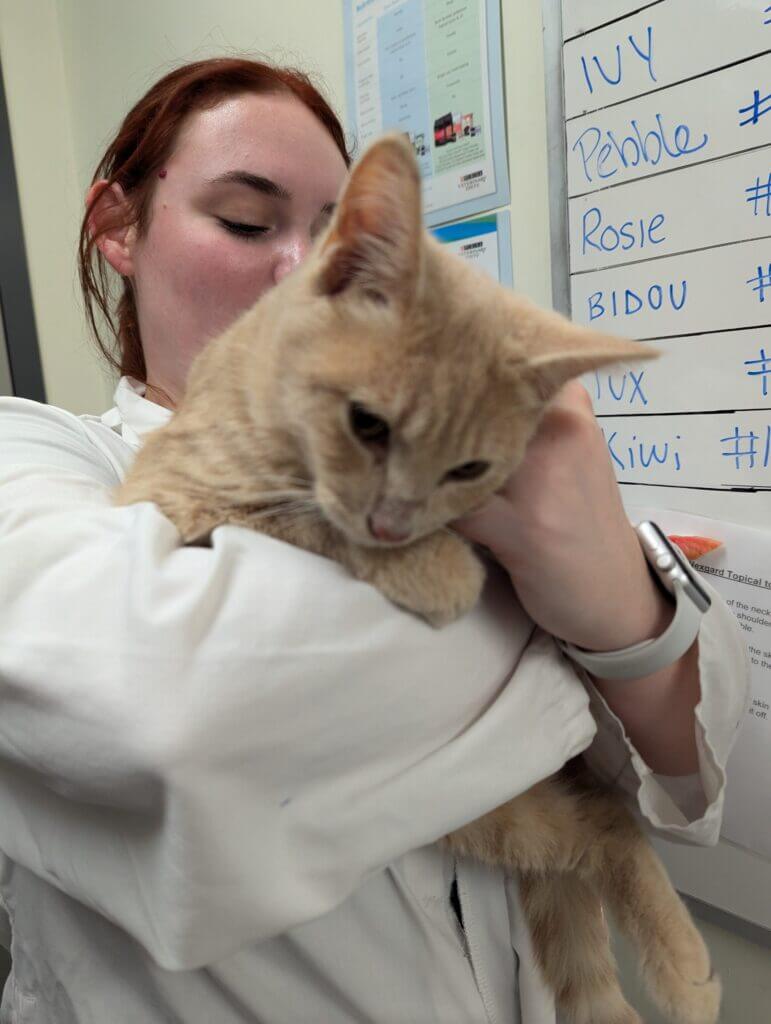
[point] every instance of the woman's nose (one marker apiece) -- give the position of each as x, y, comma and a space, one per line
290, 257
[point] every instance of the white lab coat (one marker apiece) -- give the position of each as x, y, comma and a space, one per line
223, 771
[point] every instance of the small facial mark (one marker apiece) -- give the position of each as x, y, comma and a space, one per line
162, 173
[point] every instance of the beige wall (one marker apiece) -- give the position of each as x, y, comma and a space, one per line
73, 68
42, 137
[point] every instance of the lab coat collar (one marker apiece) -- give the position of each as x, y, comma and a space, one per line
134, 415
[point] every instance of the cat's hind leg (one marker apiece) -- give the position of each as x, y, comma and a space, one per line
572, 946
674, 959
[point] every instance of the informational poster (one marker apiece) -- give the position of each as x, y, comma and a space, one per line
738, 571
484, 242
668, 149
432, 70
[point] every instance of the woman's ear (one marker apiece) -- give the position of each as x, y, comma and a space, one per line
111, 224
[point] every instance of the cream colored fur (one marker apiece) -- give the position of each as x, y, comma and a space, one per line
461, 371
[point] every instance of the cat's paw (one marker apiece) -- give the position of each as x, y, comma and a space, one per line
679, 973
438, 577
691, 999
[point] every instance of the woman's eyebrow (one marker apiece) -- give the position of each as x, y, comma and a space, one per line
255, 181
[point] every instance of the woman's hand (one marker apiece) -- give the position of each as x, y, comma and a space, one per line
560, 530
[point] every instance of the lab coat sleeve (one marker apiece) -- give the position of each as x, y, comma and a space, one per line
684, 808
209, 746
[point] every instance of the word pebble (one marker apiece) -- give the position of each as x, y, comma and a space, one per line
603, 155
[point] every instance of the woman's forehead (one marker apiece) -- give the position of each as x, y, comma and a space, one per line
273, 135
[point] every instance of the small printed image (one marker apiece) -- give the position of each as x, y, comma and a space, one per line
418, 142
453, 127
443, 130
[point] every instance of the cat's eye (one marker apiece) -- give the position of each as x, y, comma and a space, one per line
368, 427
243, 230
468, 471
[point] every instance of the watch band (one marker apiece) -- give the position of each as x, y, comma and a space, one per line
648, 656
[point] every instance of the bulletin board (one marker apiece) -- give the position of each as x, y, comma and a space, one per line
659, 129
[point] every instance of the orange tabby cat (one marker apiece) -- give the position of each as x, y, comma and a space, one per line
381, 391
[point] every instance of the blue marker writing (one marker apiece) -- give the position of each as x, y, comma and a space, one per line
626, 302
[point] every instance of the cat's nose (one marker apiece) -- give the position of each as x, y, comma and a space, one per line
385, 532
391, 519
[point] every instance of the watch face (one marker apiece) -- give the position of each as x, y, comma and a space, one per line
670, 564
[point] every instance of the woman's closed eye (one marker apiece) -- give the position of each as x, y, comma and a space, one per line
235, 227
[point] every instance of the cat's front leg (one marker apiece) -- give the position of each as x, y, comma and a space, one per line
438, 577
312, 533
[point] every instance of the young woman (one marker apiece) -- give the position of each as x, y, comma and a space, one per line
223, 771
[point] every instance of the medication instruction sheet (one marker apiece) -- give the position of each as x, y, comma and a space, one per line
740, 571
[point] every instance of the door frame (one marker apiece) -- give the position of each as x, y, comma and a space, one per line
20, 354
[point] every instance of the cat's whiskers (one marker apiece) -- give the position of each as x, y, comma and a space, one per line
288, 508
286, 479
271, 497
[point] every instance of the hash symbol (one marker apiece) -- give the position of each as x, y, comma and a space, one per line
737, 452
754, 108
750, 451
763, 371
761, 282
757, 192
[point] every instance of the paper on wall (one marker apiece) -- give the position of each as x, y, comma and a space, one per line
432, 70
484, 242
738, 571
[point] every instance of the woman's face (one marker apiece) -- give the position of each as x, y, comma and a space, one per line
249, 186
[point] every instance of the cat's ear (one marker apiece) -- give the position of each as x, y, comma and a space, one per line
555, 356
374, 241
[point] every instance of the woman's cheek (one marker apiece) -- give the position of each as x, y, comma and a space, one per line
224, 277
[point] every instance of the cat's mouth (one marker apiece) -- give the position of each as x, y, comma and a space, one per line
364, 529
389, 534
369, 534
380, 527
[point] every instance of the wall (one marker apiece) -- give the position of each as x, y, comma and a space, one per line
74, 67
41, 132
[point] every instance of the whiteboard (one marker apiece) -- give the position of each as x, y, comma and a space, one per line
582, 15
664, 214
683, 378
718, 288
667, 130
660, 198
664, 44
717, 451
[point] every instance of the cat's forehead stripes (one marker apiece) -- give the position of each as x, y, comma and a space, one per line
442, 414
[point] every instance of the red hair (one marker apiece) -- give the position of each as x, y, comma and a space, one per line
143, 144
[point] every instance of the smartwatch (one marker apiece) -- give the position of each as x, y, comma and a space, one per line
682, 585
